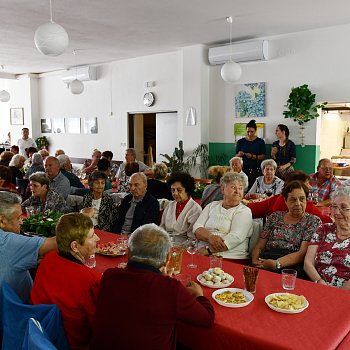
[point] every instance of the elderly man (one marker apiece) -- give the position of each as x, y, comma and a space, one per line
18, 253
137, 208
236, 164
58, 181
25, 142
150, 302
130, 156
323, 183
91, 165
66, 170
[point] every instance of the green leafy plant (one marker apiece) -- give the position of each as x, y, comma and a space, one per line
301, 105
175, 163
201, 152
42, 224
42, 142
198, 190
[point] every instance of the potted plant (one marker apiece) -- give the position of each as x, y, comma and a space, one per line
42, 142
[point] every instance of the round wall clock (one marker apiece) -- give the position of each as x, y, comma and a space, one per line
148, 99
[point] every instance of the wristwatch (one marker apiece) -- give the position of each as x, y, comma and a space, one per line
278, 265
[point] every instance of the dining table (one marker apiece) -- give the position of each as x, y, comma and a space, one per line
324, 324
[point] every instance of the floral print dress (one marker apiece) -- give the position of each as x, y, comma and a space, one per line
332, 259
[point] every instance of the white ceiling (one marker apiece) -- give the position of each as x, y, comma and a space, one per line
108, 30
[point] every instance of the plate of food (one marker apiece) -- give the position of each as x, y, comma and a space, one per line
215, 278
286, 303
233, 297
110, 249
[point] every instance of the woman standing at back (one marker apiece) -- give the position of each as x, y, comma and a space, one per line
283, 152
252, 149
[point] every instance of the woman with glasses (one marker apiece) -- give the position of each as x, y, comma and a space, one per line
252, 150
327, 259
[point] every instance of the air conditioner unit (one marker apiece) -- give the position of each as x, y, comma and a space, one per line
256, 50
82, 73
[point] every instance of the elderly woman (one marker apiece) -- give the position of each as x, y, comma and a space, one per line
268, 184
226, 225
213, 191
63, 279
283, 151
6, 180
5, 158
158, 186
180, 215
37, 164
99, 205
286, 234
42, 195
327, 260
15, 165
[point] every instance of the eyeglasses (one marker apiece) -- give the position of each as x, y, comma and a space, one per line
342, 210
326, 168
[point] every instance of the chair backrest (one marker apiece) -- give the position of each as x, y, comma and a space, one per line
257, 228
36, 337
15, 316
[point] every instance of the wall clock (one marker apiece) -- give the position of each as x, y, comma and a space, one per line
148, 99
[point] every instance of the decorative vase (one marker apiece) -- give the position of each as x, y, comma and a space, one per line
302, 134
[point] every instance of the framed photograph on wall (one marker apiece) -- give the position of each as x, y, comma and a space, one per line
73, 125
239, 130
59, 126
90, 126
17, 116
46, 127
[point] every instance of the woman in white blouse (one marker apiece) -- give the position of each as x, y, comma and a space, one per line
226, 225
180, 214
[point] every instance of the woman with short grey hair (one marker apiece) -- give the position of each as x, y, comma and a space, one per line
42, 196
16, 163
268, 184
158, 186
225, 226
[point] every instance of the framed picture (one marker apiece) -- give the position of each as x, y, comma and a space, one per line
17, 116
46, 126
240, 130
250, 100
73, 125
90, 126
59, 126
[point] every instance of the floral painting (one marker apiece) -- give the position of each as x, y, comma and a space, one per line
250, 100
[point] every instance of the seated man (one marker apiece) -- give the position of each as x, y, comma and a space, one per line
236, 164
114, 167
66, 170
58, 181
104, 165
91, 165
18, 253
150, 302
323, 183
137, 208
130, 156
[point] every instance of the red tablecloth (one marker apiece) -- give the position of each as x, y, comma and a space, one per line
324, 325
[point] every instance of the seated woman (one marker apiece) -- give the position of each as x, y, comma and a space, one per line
5, 158
37, 164
42, 195
268, 184
99, 205
213, 191
226, 225
158, 187
63, 279
5, 180
16, 164
277, 203
180, 214
327, 258
29, 152
123, 182
286, 234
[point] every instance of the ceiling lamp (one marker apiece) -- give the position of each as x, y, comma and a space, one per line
231, 71
4, 96
76, 86
50, 38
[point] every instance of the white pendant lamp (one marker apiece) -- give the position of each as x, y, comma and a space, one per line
4, 96
50, 38
231, 71
76, 86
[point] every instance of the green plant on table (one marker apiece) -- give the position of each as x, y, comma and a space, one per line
42, 224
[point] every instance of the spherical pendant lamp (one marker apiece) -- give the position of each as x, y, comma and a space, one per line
231, 72
4, 96
76, 87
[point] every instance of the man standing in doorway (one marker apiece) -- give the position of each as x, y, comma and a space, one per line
130, 157
25, 142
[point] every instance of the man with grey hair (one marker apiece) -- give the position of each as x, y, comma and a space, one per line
66, 170
18, 253
155, 302
58, 181
236, 165
130, 157
139, 207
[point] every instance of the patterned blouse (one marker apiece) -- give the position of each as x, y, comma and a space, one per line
288, 236
285, 154
324, 191
332, 259
54, 201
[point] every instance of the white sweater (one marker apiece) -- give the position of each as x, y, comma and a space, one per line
234, 225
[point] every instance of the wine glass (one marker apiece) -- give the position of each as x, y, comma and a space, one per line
268, 192
192, 246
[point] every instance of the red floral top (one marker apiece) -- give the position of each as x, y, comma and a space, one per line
332, 259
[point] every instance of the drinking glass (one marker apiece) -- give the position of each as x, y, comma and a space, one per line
192, 246
122, 242
268, 193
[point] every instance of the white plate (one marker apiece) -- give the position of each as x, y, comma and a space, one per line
249, 297
216, 285
284, 311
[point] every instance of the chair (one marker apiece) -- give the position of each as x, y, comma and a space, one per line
36, 338
22, 185
15, 316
